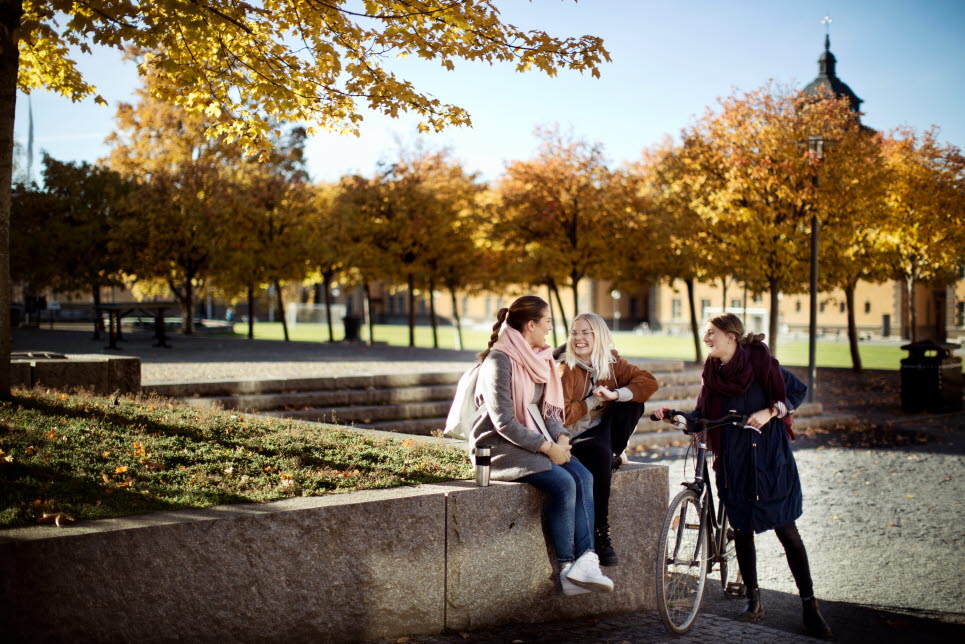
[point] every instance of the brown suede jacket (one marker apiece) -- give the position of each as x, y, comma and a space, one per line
577, 386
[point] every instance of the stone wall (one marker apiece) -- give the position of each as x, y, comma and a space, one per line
95, 372
373, 564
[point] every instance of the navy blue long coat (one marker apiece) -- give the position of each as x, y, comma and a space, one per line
757, 477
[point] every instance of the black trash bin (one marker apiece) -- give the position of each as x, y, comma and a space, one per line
353, 324
931, 378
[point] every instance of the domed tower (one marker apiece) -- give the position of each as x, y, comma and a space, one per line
828, 79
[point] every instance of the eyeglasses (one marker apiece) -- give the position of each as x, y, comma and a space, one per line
578, 334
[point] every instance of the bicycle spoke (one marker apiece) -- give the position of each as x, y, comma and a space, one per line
682, 575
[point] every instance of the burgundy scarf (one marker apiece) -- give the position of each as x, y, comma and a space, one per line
750, 362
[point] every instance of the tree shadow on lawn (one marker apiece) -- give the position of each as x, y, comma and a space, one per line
851, 622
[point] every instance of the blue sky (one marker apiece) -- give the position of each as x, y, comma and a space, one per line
671, 60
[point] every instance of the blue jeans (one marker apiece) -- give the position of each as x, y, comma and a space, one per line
569, 505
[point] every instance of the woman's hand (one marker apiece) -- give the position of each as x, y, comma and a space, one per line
605, 394
559, 454
760, 418
661, 414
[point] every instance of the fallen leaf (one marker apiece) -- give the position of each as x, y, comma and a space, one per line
408, 442
909, 496
152, 465
128, 482
835, 518
105, 477
37, 502
229, 470
120, 469
63, 397
105, 454
56, 518
51, 434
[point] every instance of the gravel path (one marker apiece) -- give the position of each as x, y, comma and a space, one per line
884, 528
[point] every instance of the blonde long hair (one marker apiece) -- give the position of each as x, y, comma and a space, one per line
601, 356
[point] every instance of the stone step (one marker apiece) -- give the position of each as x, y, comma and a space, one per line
286, 385
672, 436
362, 415
327, 399
647, 425
686, 377
678, 392
417, 426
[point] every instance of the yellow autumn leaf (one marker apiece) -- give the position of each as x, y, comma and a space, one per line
120, 469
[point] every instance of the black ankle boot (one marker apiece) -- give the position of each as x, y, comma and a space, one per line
813, 621
754, 611
604, 546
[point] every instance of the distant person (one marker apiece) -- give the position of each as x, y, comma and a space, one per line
229, 314
757, 477
604, 401
520, 388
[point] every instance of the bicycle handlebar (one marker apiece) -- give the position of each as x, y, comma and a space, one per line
701, 424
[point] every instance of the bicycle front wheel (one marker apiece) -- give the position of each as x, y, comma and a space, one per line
681, 563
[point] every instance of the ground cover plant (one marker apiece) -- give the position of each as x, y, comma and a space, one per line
90, 457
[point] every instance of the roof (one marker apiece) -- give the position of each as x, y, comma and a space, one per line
827, 79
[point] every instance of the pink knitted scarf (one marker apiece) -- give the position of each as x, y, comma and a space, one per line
529, 367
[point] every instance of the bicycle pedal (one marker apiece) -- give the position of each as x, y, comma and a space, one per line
736, 590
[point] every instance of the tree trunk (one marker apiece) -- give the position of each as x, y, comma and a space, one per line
281, 309
559, 302
912, 308
10, 16
368, 299
251, 312
575, 282
456, 318
187, 306
411, 283
98, 320
549, 299
432, 314
723, 294
694, 329
327, 289
775, 286
852, 328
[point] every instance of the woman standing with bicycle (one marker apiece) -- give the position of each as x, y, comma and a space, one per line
604, 397
757, 477
521, 391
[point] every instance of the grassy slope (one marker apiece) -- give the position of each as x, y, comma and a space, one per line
91, 458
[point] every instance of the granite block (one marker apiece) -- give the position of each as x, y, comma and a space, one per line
19, 373
124, 374
324, 569
76, 371
501, 569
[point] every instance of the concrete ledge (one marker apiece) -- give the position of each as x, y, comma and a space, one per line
374, 564
100, 373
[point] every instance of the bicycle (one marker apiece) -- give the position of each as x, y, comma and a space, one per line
694, 538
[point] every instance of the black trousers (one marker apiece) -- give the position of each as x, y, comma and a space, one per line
797, 557
596, 447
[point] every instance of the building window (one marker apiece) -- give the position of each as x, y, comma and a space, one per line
960, 314
867, 307
821, 307
735, 304
675, 308
797, 306
758, 298
841, 307
704, 305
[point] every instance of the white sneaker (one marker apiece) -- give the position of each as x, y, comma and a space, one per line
569, 588
585, 572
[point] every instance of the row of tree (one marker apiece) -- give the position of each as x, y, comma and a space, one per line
176, 209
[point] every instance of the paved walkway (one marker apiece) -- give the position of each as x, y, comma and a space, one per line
623, 629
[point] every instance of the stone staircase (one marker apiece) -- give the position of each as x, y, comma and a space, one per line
418, 403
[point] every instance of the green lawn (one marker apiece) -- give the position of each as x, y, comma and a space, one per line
791, 352
93, 457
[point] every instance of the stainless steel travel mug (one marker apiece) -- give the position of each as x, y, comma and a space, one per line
482, 465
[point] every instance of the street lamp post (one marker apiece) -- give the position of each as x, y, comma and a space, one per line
616, 295
815, 147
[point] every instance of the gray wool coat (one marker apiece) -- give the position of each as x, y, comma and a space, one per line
515, 448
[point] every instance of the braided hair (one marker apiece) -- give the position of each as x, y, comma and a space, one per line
524, 309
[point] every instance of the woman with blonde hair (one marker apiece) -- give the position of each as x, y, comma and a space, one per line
520, 388
604, 401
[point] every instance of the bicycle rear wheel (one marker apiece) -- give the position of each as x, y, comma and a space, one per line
681, 563
730, 578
